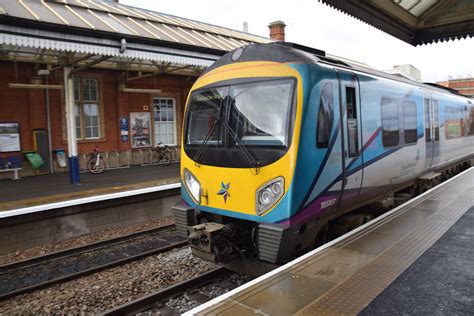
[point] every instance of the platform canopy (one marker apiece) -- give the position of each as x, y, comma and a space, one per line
416, 22
124, 37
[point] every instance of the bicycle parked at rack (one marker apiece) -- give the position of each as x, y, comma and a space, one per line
162, 154
96, 164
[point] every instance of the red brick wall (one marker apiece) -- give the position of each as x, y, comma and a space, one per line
27, 106
464, 86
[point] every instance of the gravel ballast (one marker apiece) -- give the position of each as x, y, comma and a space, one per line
102, 291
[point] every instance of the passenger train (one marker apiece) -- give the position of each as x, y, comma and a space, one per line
279, 141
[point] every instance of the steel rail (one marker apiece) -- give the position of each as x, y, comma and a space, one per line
27, 263
92, 247
146, 302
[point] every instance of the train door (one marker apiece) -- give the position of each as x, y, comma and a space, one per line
351, 137
431, 132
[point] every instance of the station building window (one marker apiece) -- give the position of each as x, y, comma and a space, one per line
87, 108
325, 117
390, 122
410, 122
164, 110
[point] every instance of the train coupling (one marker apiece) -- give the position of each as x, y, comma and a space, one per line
220, 243
204, 236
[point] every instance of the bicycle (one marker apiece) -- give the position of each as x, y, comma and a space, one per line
162, 154
96, 164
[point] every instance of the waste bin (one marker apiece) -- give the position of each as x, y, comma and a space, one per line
34, 158
60, 157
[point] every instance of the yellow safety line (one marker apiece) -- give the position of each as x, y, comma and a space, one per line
29, 10
144, 28
80, 17
54, 12
101, 20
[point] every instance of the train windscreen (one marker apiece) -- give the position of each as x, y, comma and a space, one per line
252, 117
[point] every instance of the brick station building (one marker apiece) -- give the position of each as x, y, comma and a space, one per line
463, 86
122, 73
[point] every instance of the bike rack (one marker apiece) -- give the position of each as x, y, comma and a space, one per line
113, 160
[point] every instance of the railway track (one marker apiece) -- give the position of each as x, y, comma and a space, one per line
28, 275
154, 302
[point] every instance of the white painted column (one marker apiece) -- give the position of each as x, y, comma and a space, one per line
71, 126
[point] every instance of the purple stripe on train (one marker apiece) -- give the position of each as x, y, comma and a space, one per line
317, 207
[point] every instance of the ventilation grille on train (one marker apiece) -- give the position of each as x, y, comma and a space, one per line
269, 241
182, 220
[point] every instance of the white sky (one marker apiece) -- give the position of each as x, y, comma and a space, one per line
313, 24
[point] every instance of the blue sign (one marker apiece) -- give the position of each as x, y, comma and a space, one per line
124, 129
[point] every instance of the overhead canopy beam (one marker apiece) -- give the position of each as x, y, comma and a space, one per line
34, 86
123, 88
89, 64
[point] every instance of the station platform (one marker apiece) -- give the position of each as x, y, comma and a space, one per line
43, 191
415, 259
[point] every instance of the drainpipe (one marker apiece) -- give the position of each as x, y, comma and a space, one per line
48, 122
71, 126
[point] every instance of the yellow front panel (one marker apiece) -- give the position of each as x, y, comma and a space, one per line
243, 181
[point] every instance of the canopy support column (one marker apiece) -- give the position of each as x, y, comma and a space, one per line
71, 126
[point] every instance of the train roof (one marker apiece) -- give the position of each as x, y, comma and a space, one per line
286, 52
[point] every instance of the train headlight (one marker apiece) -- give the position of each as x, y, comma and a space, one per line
269, 194
193, 185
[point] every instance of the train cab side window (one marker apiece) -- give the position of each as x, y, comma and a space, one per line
325, 117
352, 134
390, 122
410, 122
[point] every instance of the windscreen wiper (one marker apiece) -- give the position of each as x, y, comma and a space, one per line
215, 121
255, 162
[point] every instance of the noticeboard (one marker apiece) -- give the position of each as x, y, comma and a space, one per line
140, 128
9, 137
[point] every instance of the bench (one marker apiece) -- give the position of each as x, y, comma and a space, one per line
12, 163
15, 172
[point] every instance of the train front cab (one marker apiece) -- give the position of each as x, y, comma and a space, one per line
239, 151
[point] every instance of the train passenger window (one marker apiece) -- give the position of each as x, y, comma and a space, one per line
390, 122
325, 117
410, 122
352, 134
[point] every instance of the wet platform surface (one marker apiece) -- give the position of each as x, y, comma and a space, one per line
416, 259
44, 189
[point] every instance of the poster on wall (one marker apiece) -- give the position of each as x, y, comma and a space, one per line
9, 137
140, 129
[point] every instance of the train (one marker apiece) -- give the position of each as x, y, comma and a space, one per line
280, 141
